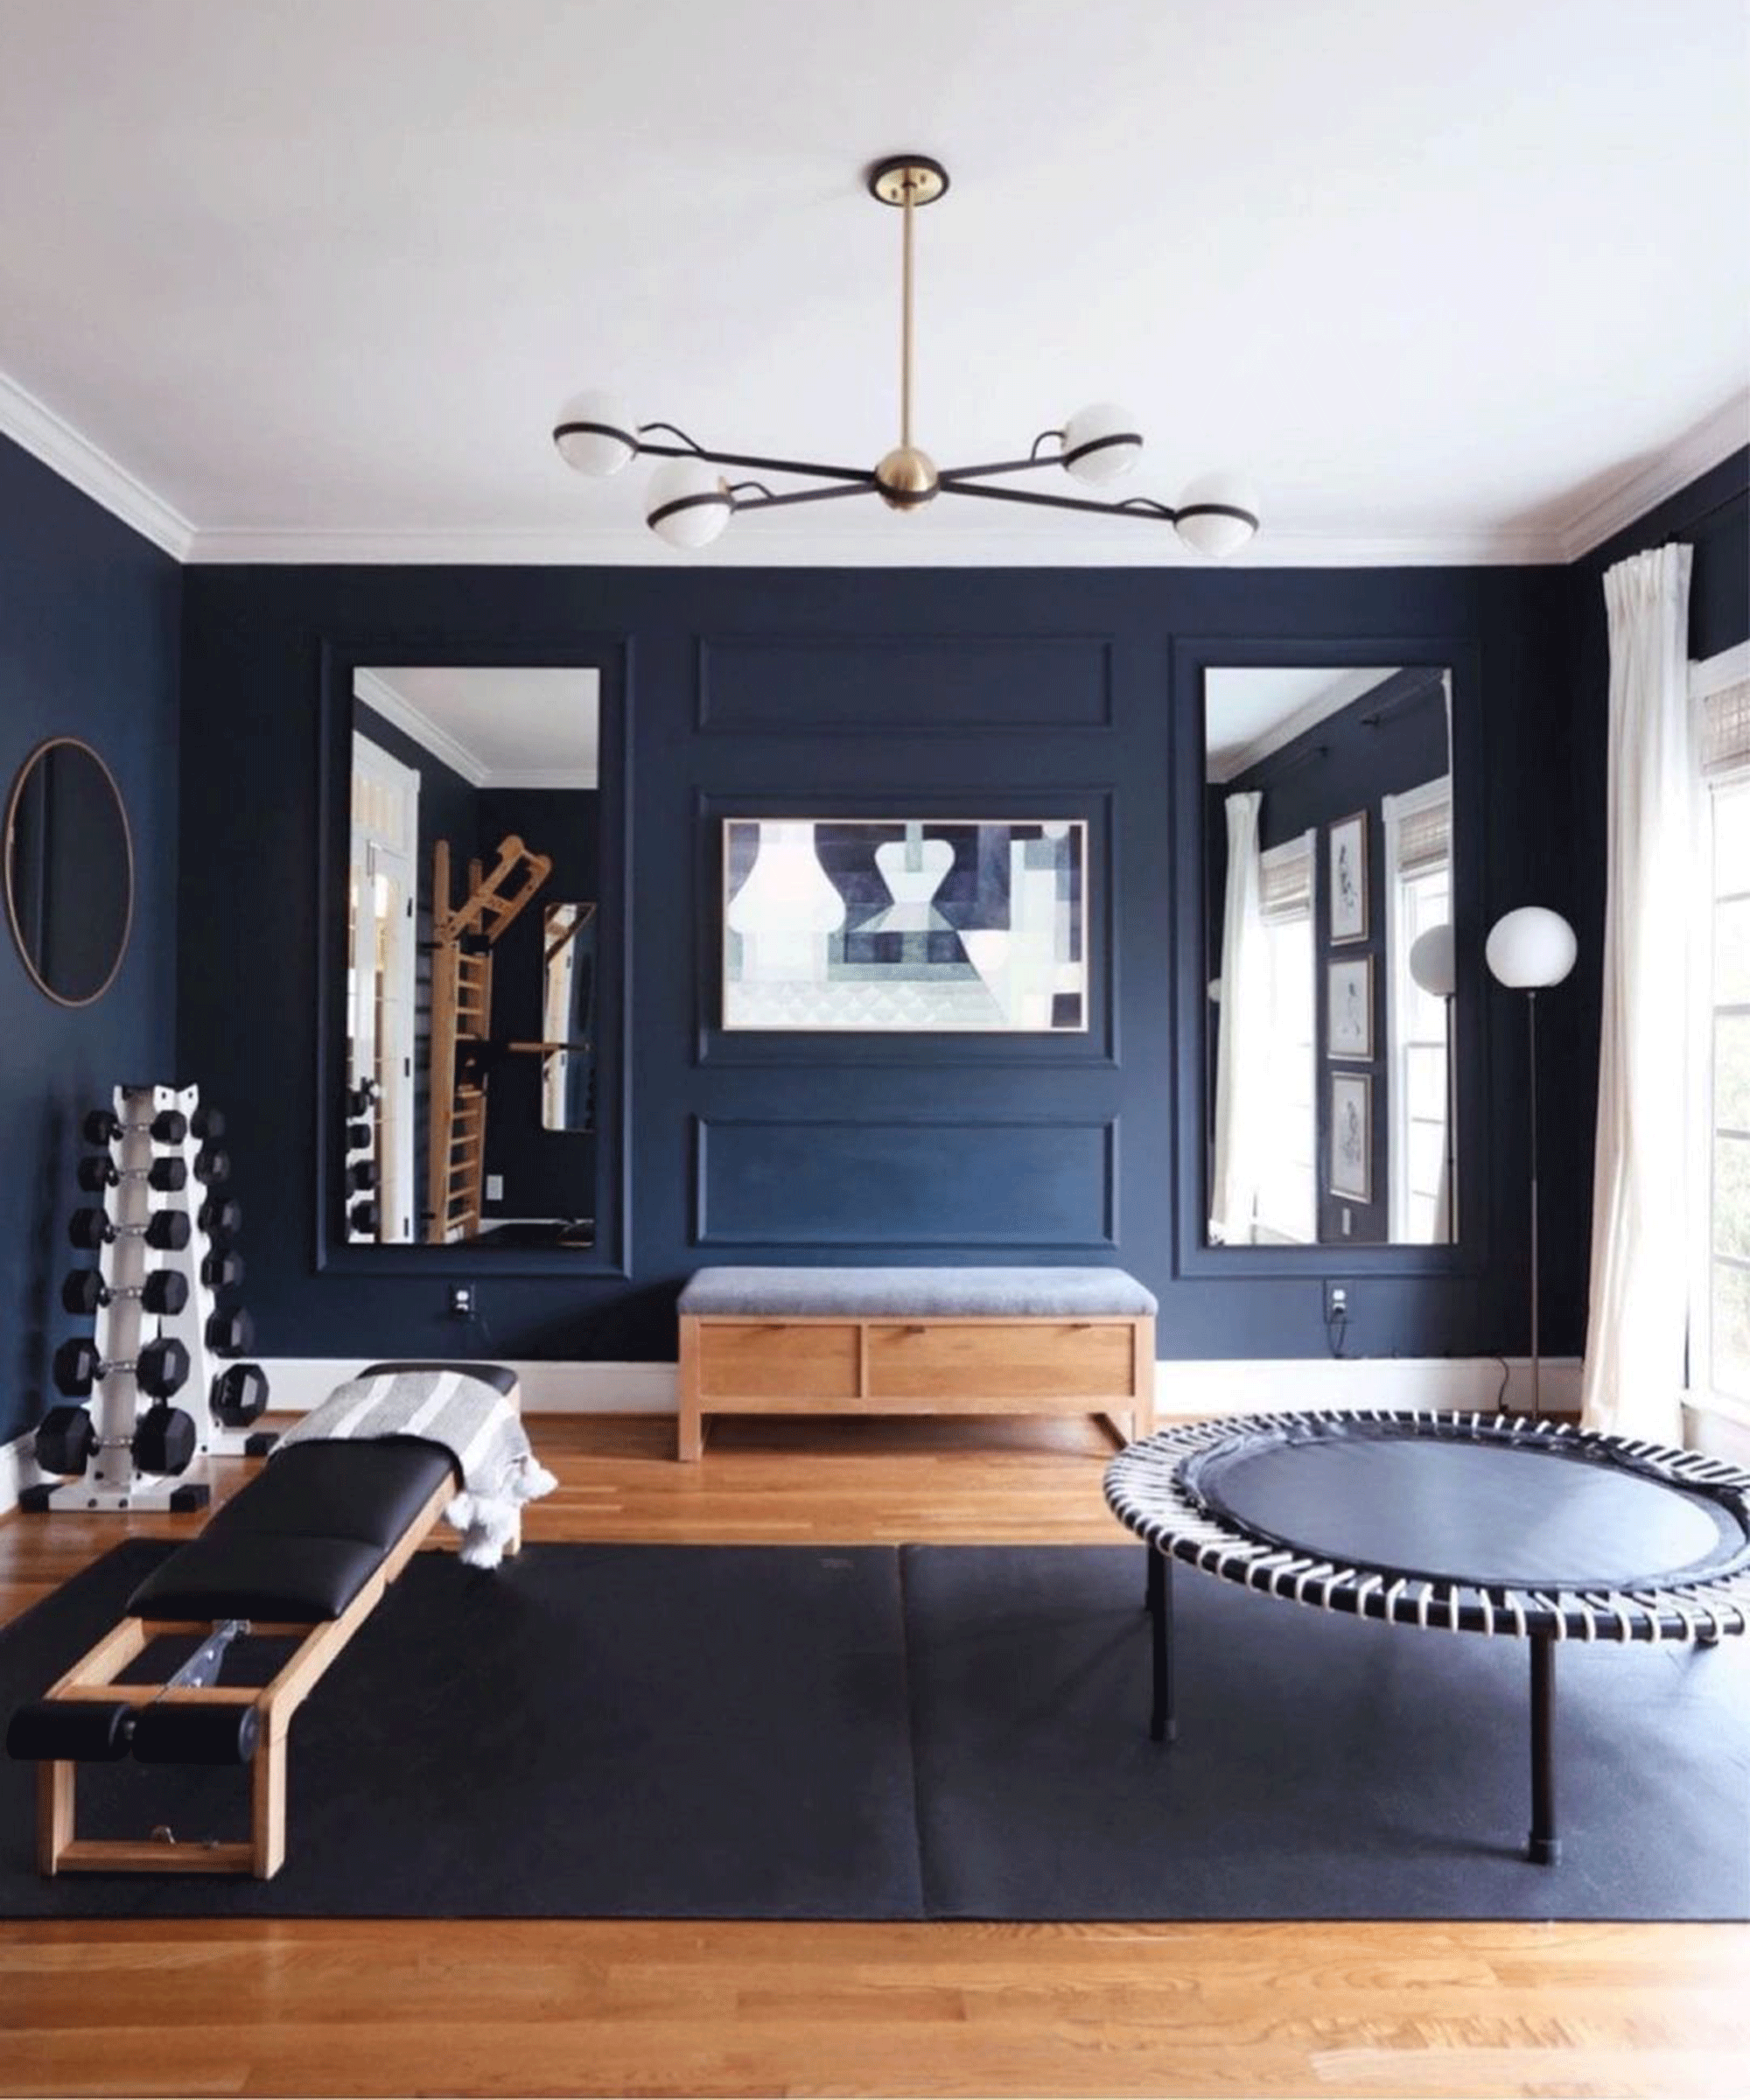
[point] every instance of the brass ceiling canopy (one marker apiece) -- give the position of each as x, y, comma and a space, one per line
688, 504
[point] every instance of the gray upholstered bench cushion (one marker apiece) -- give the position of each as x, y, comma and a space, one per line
1005, 1293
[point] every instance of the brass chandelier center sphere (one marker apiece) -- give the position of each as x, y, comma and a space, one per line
907, 477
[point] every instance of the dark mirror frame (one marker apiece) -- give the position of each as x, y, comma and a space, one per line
21, 782
608, 655
1192, 656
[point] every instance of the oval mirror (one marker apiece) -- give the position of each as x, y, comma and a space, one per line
69, 871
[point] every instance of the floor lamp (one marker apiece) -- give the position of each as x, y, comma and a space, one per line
1432, 970
1530, 950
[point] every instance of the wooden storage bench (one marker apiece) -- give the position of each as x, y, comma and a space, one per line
916, 1341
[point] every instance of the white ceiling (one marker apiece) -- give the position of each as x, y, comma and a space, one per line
302, 279
498, 726
1248, 712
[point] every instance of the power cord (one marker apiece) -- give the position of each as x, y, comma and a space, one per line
1337, 1329
1506, 1379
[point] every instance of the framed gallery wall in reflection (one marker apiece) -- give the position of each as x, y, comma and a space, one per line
906, 925
1348, 1008
1346, 877
1352, 1136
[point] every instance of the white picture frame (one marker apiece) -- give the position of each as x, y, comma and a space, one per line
1346, 879
1348, 1008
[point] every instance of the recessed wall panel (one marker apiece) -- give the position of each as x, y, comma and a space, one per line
884, 685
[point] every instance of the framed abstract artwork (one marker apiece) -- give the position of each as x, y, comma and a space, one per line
923, 925
1346, 877
1348, 1008
1352, 1136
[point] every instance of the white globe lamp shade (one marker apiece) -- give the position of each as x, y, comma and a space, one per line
688, 505
1215, 991
595, 433
1532, 948
1101, 443
1217, 514
1432, 961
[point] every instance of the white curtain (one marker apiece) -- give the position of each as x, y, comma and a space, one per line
1636, 1320
1242, 1033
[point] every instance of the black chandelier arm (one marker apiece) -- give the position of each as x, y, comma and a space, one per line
864, 476
1133, 507
766, 500
1001, 467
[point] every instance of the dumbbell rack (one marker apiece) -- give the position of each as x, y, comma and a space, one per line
113, 1477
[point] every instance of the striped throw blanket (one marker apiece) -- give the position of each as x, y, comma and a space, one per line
471, 1419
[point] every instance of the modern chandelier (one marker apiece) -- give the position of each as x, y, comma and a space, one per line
690, 503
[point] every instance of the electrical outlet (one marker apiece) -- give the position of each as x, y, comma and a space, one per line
494, 1188
1336, 1302
461, 1301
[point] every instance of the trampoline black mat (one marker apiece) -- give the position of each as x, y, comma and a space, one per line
934, 1731
1535, 1514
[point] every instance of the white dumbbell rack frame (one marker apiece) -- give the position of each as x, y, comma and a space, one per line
111, 1479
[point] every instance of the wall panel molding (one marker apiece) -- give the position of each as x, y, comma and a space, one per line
941, 1181
929, 685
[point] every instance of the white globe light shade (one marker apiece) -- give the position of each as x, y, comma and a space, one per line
1206, 514
1101, 443
1432, 961
1532, 948
595, 433
688, 505
1215, 991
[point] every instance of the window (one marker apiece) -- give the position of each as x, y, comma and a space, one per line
1719, 1314
1287, 1198
1418, 863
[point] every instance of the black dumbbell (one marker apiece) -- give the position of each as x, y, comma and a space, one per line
365, 1217
221, 1217
230, 1334
211, 1164
161, 1367
167, 1230
360, 1137
66, 1438
221, 1268
164, 1440
208, 1124
163, 1290
361, 1176
239, 1394
97, 1171
360, 1098
103, 1126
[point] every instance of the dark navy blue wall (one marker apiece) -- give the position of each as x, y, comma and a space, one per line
879, 693
89, 616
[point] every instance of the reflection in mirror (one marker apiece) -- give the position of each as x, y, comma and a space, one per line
69, 871
1330, 1054
471, 969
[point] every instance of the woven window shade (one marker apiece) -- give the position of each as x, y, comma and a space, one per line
1725, 729
1425, 840
1285, 882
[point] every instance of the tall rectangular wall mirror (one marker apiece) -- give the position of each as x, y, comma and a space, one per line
1330, 1043
473, 873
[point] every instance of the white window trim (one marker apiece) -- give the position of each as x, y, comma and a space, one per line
1394, 809
1707, 677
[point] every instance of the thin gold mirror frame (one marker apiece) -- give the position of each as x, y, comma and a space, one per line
22, 779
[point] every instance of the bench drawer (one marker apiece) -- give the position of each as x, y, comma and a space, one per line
777, 1360
1018, 1359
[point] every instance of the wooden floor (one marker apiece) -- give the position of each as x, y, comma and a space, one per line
651, 2008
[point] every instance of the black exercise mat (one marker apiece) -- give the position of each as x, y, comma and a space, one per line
1325, 1767
589, 1731
729, 1732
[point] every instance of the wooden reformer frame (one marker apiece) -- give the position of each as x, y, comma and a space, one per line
61, 1850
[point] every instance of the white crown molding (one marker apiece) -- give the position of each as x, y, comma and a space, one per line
383, 698
41, 433
1646, 487
757, 545
568, 778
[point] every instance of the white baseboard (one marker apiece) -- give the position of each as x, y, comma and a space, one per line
1211, 1386
1720, 1434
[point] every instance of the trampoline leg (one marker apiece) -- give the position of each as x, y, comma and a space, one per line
1163, 1724
1543, 1848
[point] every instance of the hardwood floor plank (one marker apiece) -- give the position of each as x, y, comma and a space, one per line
590, 2007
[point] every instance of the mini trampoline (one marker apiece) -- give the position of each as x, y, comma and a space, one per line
1466, 1523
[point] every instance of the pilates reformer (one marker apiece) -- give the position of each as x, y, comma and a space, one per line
304, 1552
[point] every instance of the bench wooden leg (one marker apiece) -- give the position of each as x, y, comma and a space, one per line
691, 1435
